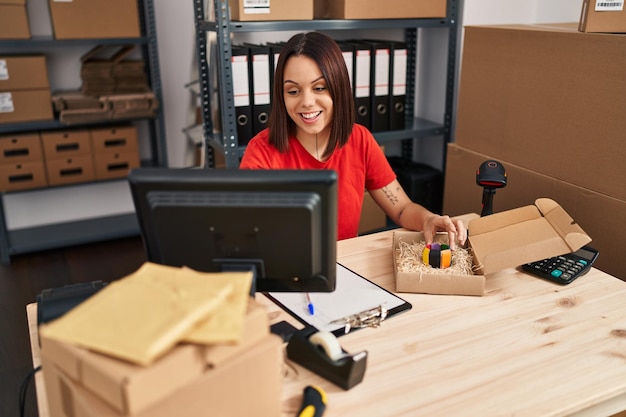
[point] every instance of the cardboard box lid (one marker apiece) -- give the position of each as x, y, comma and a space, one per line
526, 234
130, 388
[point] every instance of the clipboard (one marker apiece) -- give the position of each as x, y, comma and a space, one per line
353, 294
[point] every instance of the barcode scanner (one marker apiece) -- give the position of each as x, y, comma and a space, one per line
491, 176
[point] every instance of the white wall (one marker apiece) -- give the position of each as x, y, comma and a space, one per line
176, 40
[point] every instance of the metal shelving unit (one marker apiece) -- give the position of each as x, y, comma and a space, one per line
223, 27
120, 222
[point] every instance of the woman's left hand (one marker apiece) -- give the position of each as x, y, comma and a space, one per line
457, 233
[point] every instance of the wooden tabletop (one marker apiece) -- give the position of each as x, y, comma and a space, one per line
528, 347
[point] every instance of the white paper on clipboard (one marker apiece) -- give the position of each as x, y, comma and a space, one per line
353, 294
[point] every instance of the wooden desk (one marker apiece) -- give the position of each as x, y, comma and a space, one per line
526, 348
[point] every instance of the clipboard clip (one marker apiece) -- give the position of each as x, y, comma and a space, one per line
372, 317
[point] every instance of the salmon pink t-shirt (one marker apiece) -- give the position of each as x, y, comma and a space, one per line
360, 164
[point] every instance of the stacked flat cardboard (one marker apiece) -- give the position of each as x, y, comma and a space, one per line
106, 70
24, 89
14, 20
128, 106
547, 101
21, 162
76, 107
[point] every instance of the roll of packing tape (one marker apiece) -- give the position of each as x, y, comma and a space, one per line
437, 255
329, 343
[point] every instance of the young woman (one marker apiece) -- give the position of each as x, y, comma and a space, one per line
312, 126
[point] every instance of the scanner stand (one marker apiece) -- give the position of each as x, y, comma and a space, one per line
345, 372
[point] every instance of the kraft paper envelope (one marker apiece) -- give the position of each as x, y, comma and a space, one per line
141, 316
225, 325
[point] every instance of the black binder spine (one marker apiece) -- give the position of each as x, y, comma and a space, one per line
260, 69
379, 85
397, 73
362, 80
241, 92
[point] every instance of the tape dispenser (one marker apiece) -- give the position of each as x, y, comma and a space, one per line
320, 352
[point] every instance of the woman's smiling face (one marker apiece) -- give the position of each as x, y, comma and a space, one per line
307, 99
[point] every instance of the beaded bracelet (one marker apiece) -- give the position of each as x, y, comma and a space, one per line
437, 255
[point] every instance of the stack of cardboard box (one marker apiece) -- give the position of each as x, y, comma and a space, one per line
548, 102
242, 379
115, 151
24, 89
68, 156
82, 155
21, 162
104, 74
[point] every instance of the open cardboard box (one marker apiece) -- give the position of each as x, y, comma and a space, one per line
499, 241
128, 389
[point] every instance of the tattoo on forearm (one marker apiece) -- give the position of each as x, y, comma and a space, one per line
391, 196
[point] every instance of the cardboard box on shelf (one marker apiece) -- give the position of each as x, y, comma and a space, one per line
502, 240
547, 98
186, 381
250, 10
70, 170
22, 176
19, 148
66, 143
375, 9
24, 89
110, 165
14, 20
597, 213
127, 106
23, 72
599, 16
25, 106
93, 19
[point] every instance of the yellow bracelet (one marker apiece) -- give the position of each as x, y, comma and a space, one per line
437, 256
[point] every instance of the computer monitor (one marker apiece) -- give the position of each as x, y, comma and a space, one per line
282, 224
